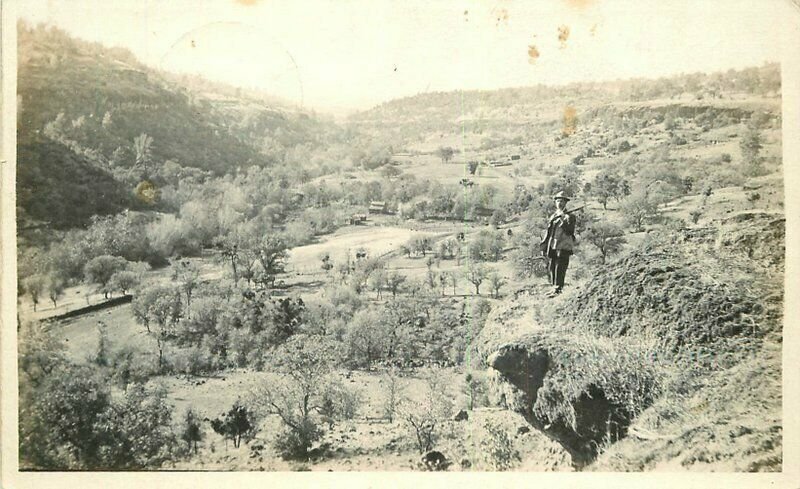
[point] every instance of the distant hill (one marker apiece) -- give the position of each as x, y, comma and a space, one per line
81, 106
520, 111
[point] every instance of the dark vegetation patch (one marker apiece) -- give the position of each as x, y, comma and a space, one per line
57, 186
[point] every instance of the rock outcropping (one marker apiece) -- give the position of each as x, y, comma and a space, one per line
645, 331
521, 369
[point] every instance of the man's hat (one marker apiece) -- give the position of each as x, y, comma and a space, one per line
561, 195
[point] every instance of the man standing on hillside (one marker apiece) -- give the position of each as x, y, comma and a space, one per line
559, 243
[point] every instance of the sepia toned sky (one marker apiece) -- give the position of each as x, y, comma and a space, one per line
353, 54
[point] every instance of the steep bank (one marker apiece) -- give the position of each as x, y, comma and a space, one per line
641, 367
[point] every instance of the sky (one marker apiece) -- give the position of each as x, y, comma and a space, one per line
353, 54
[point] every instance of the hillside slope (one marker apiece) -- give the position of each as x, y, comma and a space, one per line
667, 358
93, 102
61, 187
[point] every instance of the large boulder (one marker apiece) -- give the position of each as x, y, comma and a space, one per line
579, 421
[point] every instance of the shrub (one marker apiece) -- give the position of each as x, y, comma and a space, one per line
129, 367
487, 246
366, 338
293, 443
192, 432
72, 422
142, 434
99, 270
101, 353
193, 361
338, 403
498, 448
171, 235
238, 424
638, 209
394, 394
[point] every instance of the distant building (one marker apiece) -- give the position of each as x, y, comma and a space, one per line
496, 164
513, 157
357, 219
378, 207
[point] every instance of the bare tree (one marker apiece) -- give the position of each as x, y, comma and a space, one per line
394, 393
187, 274
453, 278
496, 281
423, 416
303, 393
475, 275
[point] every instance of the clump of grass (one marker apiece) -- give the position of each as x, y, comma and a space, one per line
677, 291
626, 372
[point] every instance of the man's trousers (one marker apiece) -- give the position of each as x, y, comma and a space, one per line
557, 266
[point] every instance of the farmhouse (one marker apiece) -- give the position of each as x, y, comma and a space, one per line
378, 207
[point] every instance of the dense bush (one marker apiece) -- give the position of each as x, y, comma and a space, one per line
237, 425
487, 246
70, 420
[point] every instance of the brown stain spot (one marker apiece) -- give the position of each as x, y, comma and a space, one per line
579, 4
193, 44
247, 3
570, 121
501, 16
593, 30
533, 54
563, 35
147, 192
